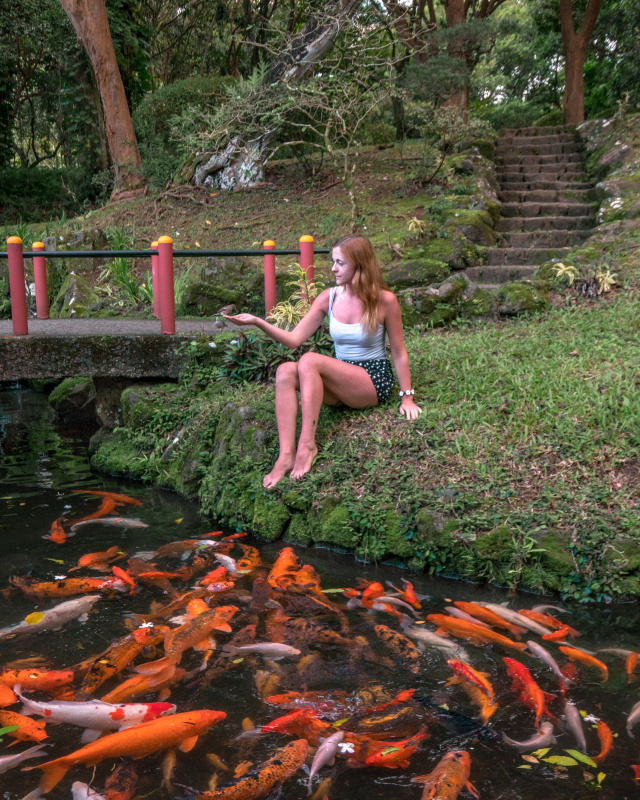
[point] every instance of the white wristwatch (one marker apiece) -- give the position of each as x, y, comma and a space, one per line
408, 391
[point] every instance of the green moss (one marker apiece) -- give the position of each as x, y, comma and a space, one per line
117, 454
475, 224
337, 527
486, 147
521, 298
269, 517
75, 390
419, 272
480, 304
557, 556
295, 500
299, 530
394, 539
496, 545
74, 299
206, 299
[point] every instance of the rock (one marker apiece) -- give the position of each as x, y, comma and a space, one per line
204, 299
495, 545
237, 431
519, 298
136, 402
417, 304
451, 291
418, 272
486, 147
74, 400
74, 298
480, 303
91, 239
475, 224
108, 404
614, 157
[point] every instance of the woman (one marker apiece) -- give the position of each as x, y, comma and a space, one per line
361, 310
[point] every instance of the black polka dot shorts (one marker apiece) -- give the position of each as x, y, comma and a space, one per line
381, 375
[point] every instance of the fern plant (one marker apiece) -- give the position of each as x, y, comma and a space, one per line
288, 313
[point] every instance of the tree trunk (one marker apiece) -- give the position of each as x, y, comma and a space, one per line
240, 164
90, 22
456, 13
575, 53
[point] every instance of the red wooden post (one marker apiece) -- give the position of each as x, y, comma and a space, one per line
269, 278
155, 281
40, 280
306, 256
167, 290
17, 286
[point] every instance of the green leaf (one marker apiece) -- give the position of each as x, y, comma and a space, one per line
541, 752
8, 729
525, 766
581, 757
561, 761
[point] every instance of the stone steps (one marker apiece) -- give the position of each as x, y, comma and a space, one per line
515, 183
532, 130
581, 196
499, 274
543, 224
502, 256
530, 209
561, 149
570, 168
554, 238
558, 138
515, 159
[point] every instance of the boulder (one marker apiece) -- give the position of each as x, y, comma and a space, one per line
204, 299
520, 298
418, 272
74, 299
476, 224
90, 239
73, 400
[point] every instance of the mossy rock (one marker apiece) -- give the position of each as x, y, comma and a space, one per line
74, 299
299, 530
475, 224
480, 304
630, 586
396, 544
496, 545
116, 454
486, 147
138, 403
418, 272
521, 298
206, 299
417, 304
88, 239
270, 517
74, 399
557, 556
295, 500
337, 527
555, 117
441, 316
238, 432
623, 557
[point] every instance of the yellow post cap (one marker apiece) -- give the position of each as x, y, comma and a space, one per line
165, 240
306, 238
39, 245
154, 244
268, 243
14, 240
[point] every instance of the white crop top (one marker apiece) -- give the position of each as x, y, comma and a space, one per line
352, 342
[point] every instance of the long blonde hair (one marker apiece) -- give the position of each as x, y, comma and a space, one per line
368, 282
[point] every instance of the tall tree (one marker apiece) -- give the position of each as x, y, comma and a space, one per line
576, 43
90, 22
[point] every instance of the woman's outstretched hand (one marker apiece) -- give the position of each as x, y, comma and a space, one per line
409, 408
241, 319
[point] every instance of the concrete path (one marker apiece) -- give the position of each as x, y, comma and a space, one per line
116, 326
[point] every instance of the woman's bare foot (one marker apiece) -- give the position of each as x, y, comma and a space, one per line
304, 460
283, 465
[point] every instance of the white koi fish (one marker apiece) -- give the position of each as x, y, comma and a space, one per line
325, 754
542, 739
120, 522
54, 618
9, 762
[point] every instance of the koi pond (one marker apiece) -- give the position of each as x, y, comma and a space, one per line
396, 691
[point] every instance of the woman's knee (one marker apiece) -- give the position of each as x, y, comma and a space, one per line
287, 373
309, 362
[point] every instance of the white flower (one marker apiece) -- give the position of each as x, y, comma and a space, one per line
346, 747
147, 625
176, 440
212, 344
59, 577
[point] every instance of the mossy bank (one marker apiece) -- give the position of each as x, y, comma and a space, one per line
522, 470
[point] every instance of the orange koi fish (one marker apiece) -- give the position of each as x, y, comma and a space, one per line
403, 647
546, 619
286, 564
472, 633
407, 594
472, 676
68, 587
141, 685
630, 666
489, 617
561, 635
57, 534
233, 536
322, 703
260, 781
215, 576
181, 730
169, 609
35, 679
116, 657
191, 633
606, 741
99, 560
487, 707
29, 730
370, 589
107, 505
303, 723
585, 658
394, 755
7, 696
449, 778
250, 559
530, 693
122, 783
119, 498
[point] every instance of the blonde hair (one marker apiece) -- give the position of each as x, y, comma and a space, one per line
368, 282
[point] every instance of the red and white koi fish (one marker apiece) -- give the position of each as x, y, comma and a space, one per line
96, 716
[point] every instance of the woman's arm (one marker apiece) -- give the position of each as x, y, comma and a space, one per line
307, 326
393, 324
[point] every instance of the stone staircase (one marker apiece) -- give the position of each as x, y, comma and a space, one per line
547, 203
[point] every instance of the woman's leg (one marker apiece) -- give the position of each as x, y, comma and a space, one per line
325, 379
287, 385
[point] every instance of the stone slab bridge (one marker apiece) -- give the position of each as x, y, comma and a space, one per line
103, 348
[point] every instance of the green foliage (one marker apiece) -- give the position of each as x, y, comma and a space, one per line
288, 313
173, 105
39, 193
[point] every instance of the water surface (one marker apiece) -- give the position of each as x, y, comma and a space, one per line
40, 465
